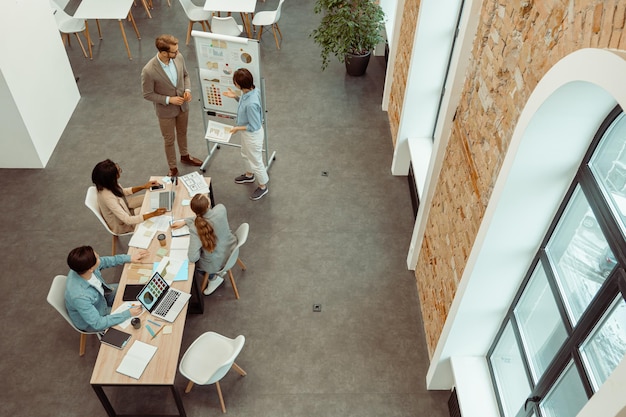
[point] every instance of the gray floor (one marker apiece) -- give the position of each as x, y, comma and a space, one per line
338, 240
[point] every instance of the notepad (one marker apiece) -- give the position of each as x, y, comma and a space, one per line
116, 338
136, 359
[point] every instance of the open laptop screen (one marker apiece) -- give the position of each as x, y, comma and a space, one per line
152, 292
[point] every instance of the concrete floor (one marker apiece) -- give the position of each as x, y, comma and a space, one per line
338, 240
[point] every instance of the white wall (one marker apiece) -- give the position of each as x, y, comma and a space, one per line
38, 93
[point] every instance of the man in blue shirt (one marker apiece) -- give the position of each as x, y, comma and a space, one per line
88, 298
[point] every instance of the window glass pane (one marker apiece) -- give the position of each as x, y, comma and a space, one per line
605, 347
580, 254
508, 368
567, 397
541, 327
609, 167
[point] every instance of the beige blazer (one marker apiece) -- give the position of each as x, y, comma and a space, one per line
156, 86
116, 213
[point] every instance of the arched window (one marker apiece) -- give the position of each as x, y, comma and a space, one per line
565, 331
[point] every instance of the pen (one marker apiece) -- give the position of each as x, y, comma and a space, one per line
154, 322
153, 336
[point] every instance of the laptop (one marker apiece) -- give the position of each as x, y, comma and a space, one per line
161, 300
162, 199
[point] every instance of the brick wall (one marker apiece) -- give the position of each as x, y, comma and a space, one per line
516, 44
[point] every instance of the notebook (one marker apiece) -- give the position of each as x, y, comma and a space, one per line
115, 338
136, 359
162, 199
161, 300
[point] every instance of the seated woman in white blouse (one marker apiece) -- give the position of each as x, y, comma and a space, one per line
116, 208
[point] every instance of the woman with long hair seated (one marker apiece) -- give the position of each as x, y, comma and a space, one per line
118, 210
211, 240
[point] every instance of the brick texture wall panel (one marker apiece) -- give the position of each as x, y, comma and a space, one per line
517, 42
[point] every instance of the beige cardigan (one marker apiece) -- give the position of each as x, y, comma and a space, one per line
119, 217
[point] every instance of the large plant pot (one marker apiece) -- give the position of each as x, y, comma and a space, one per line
357, 64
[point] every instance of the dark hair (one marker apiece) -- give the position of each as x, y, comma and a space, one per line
243, 78
164, 42
104, 175
81, 259
199, 205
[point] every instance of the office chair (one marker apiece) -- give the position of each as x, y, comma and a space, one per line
242, 235
195, 14
68, 25
226, 26
208, 360
269, 18
56, 298
91, 201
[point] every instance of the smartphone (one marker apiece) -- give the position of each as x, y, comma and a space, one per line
156, 187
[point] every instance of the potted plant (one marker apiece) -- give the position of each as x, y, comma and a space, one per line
349, 29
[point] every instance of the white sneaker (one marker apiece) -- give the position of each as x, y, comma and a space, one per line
215, 282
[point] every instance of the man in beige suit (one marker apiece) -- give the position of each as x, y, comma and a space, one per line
165, 82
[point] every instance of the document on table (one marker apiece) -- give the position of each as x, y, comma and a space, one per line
172, 269
218, 132
123, 307
136, 359
179, 247
195, 183
143, 236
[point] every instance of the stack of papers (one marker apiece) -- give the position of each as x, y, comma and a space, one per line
145, 231
179, 248
136, 359
218, 132
195, 183
173, 269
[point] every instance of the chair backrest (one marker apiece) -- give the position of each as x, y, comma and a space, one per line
91, 201
225, 26
236, 345
56, 298
242, 235
187, 6
280, 4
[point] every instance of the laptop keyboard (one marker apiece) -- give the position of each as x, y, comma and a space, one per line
166, 303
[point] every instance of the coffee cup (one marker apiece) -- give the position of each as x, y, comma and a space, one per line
136, 322
162, 240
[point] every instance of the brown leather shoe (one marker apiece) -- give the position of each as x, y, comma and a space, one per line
173, 172
190, 160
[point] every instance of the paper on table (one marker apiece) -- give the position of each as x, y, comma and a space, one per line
218, 132
142, 236
181, 231
172, 269
136, 359
123, 307
179, 246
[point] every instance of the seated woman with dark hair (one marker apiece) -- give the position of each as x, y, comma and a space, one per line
88, 298
116, 208
211, 240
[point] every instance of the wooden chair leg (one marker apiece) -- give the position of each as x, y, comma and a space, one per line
232, 282
239, 370
219, 392
260, 33
113, 245
205, 282
81, 44
275, 37
83, 344
99, 30
189, 32
241, 264
188, 387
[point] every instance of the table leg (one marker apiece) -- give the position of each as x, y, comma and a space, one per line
88, 39
104, 400
179, 402
99, 29
145, 6
247, 25
125, 40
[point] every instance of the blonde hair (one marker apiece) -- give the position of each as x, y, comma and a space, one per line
199, 205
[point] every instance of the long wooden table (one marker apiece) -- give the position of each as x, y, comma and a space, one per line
161, 371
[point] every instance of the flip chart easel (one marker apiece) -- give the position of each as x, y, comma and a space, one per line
219, 56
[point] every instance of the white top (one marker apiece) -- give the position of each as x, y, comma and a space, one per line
96, 283
107, 9
237, 6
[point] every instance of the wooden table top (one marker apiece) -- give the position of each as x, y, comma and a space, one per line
164, 364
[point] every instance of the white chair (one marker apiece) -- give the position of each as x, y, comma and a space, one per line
269, 18
195, 14
242, 235
68, 25
56, 298
226, 26
91, 201
208, 360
